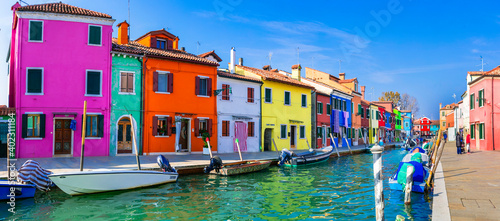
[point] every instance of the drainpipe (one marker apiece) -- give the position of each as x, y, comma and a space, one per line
492, 115
143, 100
260, 125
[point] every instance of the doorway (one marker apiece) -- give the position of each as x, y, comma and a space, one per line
63, 142
476, 136
268, 135
293, 133
240, 133
324, 135
124, 144
184, 135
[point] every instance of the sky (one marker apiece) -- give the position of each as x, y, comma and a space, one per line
420, 47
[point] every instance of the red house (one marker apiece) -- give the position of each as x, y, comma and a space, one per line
425, 126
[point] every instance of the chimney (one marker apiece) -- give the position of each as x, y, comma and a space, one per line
241, 61
183, 49
266, 68
296, 72
440, 106
123, 33
232, 64
342, 76
363, 92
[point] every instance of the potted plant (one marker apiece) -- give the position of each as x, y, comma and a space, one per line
204, 136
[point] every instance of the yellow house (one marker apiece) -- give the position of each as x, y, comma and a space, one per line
286, 108
374, 133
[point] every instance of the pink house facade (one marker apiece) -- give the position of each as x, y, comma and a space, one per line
59, 58
484, 112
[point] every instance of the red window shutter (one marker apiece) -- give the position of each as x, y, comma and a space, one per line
153, 42
123, 82
170, 82
155, 81
197, 85
209, 127
249, 94
130, 82
170, 45
209, 87
196, 127
224, 128
155, 125
169, 126
225, 93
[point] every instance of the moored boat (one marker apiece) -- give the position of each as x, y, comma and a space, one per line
241, 167
418, 161
289, 158
16, 190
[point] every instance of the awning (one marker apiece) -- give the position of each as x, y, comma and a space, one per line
241, 117
65, 113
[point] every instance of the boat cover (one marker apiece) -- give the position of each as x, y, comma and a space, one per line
418, 176
32, 172
419, 150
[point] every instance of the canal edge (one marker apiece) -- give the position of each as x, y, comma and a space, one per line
440, 207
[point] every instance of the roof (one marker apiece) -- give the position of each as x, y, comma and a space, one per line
449, 106
434, 122
173, 54
348, 80
62, 8
158, 32
296, 66
125, 48
274, 76
495, 72
237, 76
405, 111
206, 54
322, 88
363, 101
4, 110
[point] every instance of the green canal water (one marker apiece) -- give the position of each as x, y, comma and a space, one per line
339, 189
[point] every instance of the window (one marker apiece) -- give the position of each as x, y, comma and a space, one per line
444, 123
472, 102
408, 125
33, 128
302, 133
225, 92
36, 31
328, 109
362, 112
359, 109
34, 81
225, 128
472, 131
202, 125
251, 129
344, 104
283, 131
94, 126
160, 43
304, 100
481, 131
442, 113
367, 113
163, 126
340, 105
163, 82
95, 35
378, 115
335, 104
126, 82
481, 98
319, 132
287, 98
319, 108
93, 87
268, 95
203, 86
250, 95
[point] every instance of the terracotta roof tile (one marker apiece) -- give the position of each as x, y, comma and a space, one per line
273, 76
237, 76
125, 48
206, 54
62, 8
4, 111
348, 80
296, 66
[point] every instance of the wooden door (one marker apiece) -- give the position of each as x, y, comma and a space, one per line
476, 136
184, 136
240, 133
293, 132
62, 142
124, 133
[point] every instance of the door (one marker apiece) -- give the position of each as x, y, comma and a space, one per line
268, 135
476, 136
63, 134
184, 138
293, 132
124, 133
325, 136
240, 133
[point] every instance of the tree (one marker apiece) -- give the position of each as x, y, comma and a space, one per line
395, 97
409, 102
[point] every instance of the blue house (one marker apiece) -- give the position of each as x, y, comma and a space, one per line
434, 126
341, 118
407, 122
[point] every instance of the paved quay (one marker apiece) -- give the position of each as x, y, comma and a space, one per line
185, 163
472, 183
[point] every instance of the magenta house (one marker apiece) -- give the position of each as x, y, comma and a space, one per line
59, 58
484, 95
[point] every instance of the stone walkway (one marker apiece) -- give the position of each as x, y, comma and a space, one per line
184, 162
472, 183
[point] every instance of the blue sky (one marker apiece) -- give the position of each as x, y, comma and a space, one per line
423, 48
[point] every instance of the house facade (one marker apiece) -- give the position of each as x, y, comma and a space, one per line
425, 126
398, 124
238, 112
407, 122
50, 103
434, 127
374, 123
444, 112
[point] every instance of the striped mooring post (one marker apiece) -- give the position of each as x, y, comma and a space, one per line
379, 185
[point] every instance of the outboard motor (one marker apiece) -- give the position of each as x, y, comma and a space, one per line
215, 163
164, 164
285, 156
412, 143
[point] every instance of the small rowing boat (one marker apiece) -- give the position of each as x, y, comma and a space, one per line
241, 167
289, 158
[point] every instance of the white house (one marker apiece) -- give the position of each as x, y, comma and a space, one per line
238, 112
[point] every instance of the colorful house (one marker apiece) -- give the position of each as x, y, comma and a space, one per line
126, 92
178, 101
286, 107
434, 127
444, 112
238, 112
373, 115
484, 120
397, 122
321, 112
425, 126
7, 126
48, 43
407, 122
353, 84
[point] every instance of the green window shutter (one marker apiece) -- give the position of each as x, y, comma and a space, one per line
481, 96
304, 100
472, 101
42, 125
36, 30
328, 109
359, 108
95, 35
472, 131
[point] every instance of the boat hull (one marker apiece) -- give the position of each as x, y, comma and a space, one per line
242, 167
418, 187
310, 159
20, 190
87, 182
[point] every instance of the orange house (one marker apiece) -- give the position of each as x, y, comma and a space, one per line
179, 107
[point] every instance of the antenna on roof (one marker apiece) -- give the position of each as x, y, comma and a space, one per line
454, 97
270, 58
340, 65
482, 64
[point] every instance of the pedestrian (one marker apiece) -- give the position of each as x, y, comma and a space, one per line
459, 143
467, 141
445, 136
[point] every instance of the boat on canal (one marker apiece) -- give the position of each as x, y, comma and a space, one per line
289, 158
419, 160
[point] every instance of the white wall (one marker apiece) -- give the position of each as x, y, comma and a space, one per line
237, 105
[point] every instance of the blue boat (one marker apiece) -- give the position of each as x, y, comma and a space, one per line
418, 161
17, 190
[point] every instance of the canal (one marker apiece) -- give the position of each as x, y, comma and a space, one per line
340, 189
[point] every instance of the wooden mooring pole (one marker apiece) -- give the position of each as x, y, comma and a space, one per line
335, 145
379, 185
409, 184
